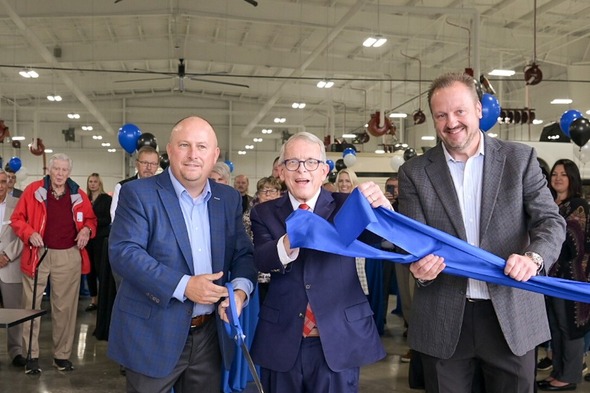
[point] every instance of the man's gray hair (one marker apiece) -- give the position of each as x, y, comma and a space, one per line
59, 157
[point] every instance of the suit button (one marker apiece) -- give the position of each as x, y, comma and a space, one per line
307, 286
301, 315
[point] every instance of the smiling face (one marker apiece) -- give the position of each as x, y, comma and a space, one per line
456, 113
560, 182
344, 183
302, 183
192, 151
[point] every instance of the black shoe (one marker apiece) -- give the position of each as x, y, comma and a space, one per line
545, 364
551, 388
91, 307
19, 361
63, 364
32, 367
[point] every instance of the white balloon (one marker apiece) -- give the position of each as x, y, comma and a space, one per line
582, 153
349, 160
397, 160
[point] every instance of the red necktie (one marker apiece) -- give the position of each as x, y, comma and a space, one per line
309, 322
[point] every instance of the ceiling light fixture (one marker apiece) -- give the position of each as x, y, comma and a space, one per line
28, 74
379, 151
398, 115
257, 140
428, 138
374, 41
87, 128
298, 105
562, 101
73, 116
266, 131
349, 136
280, 120
241, 152
97, 137
54, 98
48, 151
537, 122
325, 84
112, 150
498, 72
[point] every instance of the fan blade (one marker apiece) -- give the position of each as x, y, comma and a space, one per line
143, 80
220, 82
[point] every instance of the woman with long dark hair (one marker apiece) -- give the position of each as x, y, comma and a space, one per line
569, 320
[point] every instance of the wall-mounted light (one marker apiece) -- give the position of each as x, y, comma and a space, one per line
325, 84
298, 105
28, 74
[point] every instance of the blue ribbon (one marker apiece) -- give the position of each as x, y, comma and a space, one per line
309, 230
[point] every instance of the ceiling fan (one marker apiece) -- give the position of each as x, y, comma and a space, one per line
181, 75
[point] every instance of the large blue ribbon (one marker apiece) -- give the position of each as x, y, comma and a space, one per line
309, 230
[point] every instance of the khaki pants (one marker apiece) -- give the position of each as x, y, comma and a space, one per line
63, 269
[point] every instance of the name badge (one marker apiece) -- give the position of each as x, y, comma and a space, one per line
79, 217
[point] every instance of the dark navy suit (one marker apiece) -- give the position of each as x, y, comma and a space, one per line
149, 247
329, 282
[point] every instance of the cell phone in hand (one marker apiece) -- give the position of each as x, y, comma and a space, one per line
390, 188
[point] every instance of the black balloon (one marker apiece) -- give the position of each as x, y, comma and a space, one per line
409, 153
332, 177
147, 139
340, 165
164, 161
580, 131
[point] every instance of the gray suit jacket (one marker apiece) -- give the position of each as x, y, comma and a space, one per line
11, 245
518, 214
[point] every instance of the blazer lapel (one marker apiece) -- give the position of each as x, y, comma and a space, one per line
325, 206
172, 209
493, 168
217, 221
442, 182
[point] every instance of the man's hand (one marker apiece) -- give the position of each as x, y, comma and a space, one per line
201, 289
3, 260
520, 267
240, 297
83, 237
427, 268
36, 240
374, 195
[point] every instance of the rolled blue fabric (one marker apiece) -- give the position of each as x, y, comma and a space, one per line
309, 230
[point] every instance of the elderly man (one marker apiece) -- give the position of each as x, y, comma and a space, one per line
54, 213
11, 285
241, 183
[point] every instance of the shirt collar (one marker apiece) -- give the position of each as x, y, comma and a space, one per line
180, 190
480, 150
311, 202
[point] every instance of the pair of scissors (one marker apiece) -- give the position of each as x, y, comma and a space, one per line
234, 330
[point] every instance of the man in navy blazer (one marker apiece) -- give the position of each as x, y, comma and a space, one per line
176, 240
325, 358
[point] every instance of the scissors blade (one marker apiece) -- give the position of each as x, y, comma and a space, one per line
252, 367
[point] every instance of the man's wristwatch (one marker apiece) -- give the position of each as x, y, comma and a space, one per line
536, 258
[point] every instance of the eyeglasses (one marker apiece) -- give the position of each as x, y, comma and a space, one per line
311, 164
148, 164
269, 191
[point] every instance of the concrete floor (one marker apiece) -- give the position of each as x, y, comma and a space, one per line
96, 373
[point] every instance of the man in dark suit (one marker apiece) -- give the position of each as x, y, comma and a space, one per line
176, 240
492, 194
316, 326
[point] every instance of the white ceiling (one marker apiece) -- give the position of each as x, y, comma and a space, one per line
280, 49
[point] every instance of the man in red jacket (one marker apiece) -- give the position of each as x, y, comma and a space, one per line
55, 213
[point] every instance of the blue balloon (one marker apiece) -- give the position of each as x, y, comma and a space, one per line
567, 119
347, 151
128, 136
15, 163
490, 110
330, 164
230, 165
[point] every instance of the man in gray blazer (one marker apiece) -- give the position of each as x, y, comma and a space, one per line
11, 284
492, 194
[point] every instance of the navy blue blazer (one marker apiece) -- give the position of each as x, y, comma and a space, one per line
328, 282
149, 247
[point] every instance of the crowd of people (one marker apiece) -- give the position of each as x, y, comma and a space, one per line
158, 253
